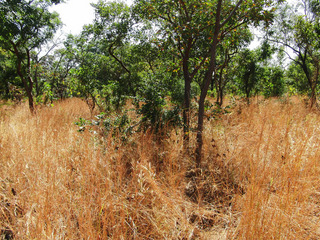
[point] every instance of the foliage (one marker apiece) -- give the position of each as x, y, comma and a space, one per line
256, 73
8, 74
248, 71
227, 60
25, 26
156, 113
273, 82
118, 126
297, 79
194, 30
297, 29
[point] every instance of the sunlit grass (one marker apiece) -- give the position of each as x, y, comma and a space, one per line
260, 177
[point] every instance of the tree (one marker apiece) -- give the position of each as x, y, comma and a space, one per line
299, 32
24, 26
226, 59
248, 71
8, 74
112, 28
51, 73
184, 28
257, 73
195, 29
116, 52
273, 81
296, 79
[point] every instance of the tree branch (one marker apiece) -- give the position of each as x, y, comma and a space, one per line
231, 14
117, 59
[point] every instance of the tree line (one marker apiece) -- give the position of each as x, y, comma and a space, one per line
155, 50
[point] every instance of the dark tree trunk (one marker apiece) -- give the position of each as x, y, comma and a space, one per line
28, 85
248, 96
26, 80
31, 103
187, 96
220, 102
206, 84
186, 112
213, 81
219, 87
122, 64
36, 82
208, 76
314, 83
313, 98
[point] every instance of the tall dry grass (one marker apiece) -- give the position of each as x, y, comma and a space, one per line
273, 148
260, 178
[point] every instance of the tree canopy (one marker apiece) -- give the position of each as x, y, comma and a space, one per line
25, 26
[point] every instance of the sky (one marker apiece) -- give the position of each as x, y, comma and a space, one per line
75, 14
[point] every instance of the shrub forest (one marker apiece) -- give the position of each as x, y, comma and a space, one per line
161, 120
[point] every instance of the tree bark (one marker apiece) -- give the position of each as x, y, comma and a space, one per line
314, 83
208, 76
303, 64
26, 80
187, 96
111, 52
219, 86
206, 84
186, 113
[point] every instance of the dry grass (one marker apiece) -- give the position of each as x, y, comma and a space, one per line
260, 178
274, 149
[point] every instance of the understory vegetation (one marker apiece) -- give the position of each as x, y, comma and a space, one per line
259, 178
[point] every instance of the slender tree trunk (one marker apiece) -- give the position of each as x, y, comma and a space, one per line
213, 80
203, 95
216, 77
28, 85
206, 84
187, 96
30, 98
208, 75
308, 74
314, 83
186, 113
221, 97
26, 80
36, 81
248, 96
200, 129
219, 87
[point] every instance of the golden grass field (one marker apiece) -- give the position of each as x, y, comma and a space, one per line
260, 177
